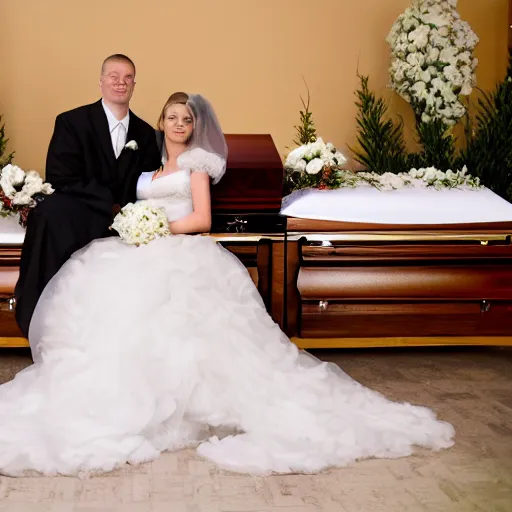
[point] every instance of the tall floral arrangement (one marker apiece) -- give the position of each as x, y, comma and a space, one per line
432, 64
433, 69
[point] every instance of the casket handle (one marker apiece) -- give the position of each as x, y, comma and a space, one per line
238, 224
485, 306
323, 305
7, 303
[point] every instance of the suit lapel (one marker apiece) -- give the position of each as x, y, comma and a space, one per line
100, 125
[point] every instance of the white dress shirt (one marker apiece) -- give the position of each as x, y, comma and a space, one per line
113, 126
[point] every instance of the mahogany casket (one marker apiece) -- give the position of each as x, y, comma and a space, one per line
353, 284
246, 220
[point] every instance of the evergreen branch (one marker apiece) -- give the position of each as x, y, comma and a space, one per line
4, 160
381, 143
306, 131
488, 152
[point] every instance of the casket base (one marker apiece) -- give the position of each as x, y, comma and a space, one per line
6, 342
351, 285
381, 342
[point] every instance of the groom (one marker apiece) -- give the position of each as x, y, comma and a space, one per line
96, 154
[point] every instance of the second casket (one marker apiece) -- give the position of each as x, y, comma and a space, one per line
411, 266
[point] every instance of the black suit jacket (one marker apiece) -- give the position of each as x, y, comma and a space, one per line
81, 161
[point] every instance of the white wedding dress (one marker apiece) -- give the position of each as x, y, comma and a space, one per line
139, 350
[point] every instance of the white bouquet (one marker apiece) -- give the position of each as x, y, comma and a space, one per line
431, 59
140, 223
313, 157
20, 191
20, 186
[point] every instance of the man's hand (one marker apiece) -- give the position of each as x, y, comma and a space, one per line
116, 208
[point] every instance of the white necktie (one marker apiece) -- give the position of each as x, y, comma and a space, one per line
121, 139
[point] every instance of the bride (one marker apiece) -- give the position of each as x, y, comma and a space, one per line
138, 350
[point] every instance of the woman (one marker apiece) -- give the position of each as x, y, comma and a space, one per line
138, 350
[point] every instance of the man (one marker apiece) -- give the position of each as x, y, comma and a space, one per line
96, 154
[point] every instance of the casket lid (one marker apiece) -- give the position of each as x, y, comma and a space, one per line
254, 176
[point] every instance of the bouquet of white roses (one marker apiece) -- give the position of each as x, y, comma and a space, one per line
431, 59
140, 223
20, 190
313, 157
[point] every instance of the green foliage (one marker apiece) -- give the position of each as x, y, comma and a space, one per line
4, 159
381, 143
488, 152
437, 146
306, 131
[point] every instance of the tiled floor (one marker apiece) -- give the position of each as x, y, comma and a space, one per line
472, 388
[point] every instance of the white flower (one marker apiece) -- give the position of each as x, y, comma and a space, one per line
408, 23
443, 31
294, 156
466, 89
420, 89
425, 76
22, 199
132, 145
340, 158
391, 181
413, 59
419, 36
315, 166
430, 173
47, 189
434, 19
11, 176
300, 166
313, 157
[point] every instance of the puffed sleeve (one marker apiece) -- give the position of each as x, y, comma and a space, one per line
197, 159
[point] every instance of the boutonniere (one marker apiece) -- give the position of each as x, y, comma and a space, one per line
132, 145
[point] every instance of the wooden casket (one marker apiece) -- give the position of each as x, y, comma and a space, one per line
396, 276
246, 220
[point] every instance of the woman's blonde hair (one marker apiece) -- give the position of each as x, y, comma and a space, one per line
175, 98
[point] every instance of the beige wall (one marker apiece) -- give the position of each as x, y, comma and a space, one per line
247, 57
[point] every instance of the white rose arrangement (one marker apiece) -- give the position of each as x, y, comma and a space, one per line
140, 223
20, 186
428, 177
313, 157
319, 165
431, 59
20, 190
